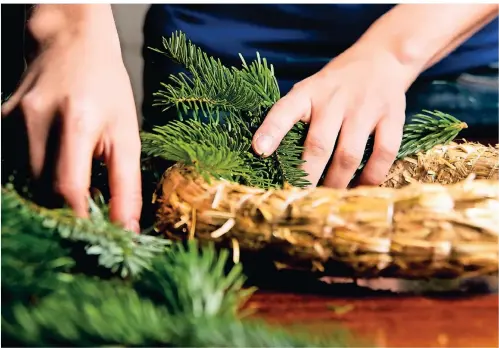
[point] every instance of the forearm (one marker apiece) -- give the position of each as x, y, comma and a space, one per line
459, 40
419, 35
94, 21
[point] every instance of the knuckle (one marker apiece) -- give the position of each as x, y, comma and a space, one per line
316, 146
298, 85
32, 104
78, 122
348, 159
67, 189
82, 105
386, 153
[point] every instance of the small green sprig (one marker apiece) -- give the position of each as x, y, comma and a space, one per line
427, 130
121, 251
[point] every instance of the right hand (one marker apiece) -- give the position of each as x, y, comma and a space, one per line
79, 80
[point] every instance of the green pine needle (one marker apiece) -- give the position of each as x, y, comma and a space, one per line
237, 98
121, 251
241, 98
196, 281
211, 88
90, 312
184, 296
427, 130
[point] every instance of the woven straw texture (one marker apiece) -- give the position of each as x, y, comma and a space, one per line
417, 231
446, 164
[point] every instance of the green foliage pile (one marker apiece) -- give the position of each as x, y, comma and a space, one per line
220, 108
73, 282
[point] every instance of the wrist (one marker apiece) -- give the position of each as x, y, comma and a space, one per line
403, 72
52, 23
406, 52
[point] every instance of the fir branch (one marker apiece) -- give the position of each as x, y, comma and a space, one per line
195, 281
223, 151
424, 131
289, 155
427, 130
32, 265
105, 313
89, 312
261, 76
185, 299
121, 251
213, 88
214, 149
231, 95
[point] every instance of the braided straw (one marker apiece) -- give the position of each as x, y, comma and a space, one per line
418, 231
446, 164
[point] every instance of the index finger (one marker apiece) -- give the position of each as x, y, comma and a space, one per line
279, 121
125, 186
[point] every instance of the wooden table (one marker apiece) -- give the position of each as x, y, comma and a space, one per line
384, 318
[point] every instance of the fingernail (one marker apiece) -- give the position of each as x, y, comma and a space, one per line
263, 144
133, 226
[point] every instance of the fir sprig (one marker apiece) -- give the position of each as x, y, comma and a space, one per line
212, 87
428, 129
240, 98
424, 131
88, 313
214, 149
185, 297
121, 251
196, 281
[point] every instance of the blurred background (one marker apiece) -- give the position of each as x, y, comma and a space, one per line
129, 21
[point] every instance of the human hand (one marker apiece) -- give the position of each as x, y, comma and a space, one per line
359, 92
79, 81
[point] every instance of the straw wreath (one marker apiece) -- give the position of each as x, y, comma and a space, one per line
417, 231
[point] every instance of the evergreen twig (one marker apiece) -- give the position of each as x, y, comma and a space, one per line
121, 251
183, 297
424, 131
243, 96
119, 316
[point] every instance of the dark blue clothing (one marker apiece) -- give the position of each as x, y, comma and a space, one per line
297, 39
291, 36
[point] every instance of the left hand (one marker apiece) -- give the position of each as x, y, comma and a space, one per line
359, 92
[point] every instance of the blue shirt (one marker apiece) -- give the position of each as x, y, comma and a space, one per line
297, 39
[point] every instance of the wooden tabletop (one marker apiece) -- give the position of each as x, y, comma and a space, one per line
384, 318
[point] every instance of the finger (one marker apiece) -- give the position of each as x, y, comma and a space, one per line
386, 145
13, 101
123, 161
319, 143
284, 114
38, 109
349, 152
78, 139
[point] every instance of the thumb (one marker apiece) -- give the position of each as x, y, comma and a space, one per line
281, 118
